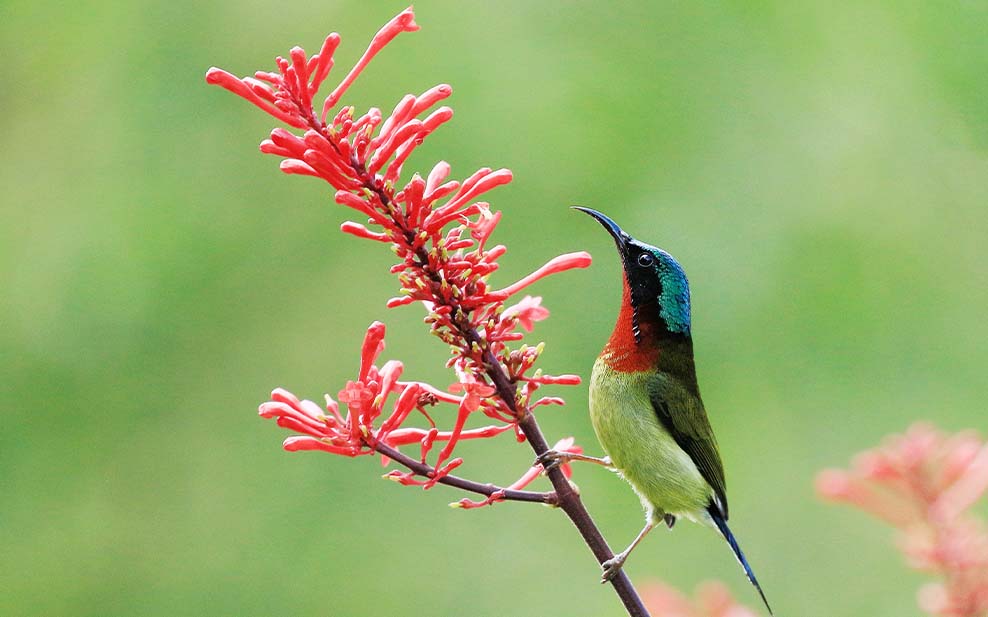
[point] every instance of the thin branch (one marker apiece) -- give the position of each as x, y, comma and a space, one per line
427, 471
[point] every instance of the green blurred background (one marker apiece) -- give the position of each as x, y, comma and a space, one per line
819, 169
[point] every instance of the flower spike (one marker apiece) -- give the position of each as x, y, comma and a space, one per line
439, 230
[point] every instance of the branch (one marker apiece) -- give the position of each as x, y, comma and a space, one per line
427, 471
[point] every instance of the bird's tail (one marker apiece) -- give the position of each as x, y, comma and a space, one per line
725, 531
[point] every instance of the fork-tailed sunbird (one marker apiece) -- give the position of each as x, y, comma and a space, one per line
645, 405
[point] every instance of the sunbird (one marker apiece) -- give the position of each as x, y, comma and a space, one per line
645, 405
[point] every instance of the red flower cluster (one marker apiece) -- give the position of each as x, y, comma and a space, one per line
924, 483
712, 599
439, 232
358, 432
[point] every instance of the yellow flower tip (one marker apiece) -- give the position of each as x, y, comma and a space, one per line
388, 476
456, 504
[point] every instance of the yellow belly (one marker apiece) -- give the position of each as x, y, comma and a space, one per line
646, 455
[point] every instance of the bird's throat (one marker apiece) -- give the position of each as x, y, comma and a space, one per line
633, 345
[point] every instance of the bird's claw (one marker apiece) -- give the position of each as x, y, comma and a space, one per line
611, 567
550, 459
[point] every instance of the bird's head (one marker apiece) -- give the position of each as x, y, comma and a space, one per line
658, 290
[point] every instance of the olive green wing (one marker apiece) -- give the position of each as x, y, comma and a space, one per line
682, 414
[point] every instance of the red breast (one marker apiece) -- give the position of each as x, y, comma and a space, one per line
622, 352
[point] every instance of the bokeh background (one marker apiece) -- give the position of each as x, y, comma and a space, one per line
820, 169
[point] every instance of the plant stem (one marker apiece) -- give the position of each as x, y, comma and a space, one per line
427, 471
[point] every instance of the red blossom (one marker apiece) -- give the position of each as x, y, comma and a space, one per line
439, 231
357, 432
365, 399
405, 436
474, 393
435, 225
923, 483
555, 265
527, 312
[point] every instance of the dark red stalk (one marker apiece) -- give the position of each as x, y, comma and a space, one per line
427, 471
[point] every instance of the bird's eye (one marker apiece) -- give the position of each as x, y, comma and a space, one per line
645, 260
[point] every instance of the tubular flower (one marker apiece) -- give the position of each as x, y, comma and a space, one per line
358, 430
924, 483
436, 226
440, 233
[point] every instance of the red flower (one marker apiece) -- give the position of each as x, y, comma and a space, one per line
474, 393
439, 232
437, 228
287, 95
527, 312
364, 398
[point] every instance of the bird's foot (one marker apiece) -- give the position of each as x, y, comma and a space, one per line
550, 459
612, 566
554, 458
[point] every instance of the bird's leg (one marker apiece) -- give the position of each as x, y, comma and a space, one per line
554, 458
613, 565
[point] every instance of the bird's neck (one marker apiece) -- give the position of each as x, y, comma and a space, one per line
628, 350
642, 341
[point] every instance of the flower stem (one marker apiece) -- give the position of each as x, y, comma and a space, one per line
487, 490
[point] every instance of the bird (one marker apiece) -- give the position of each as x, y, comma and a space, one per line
645, 404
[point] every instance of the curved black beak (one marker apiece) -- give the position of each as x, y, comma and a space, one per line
620, 237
